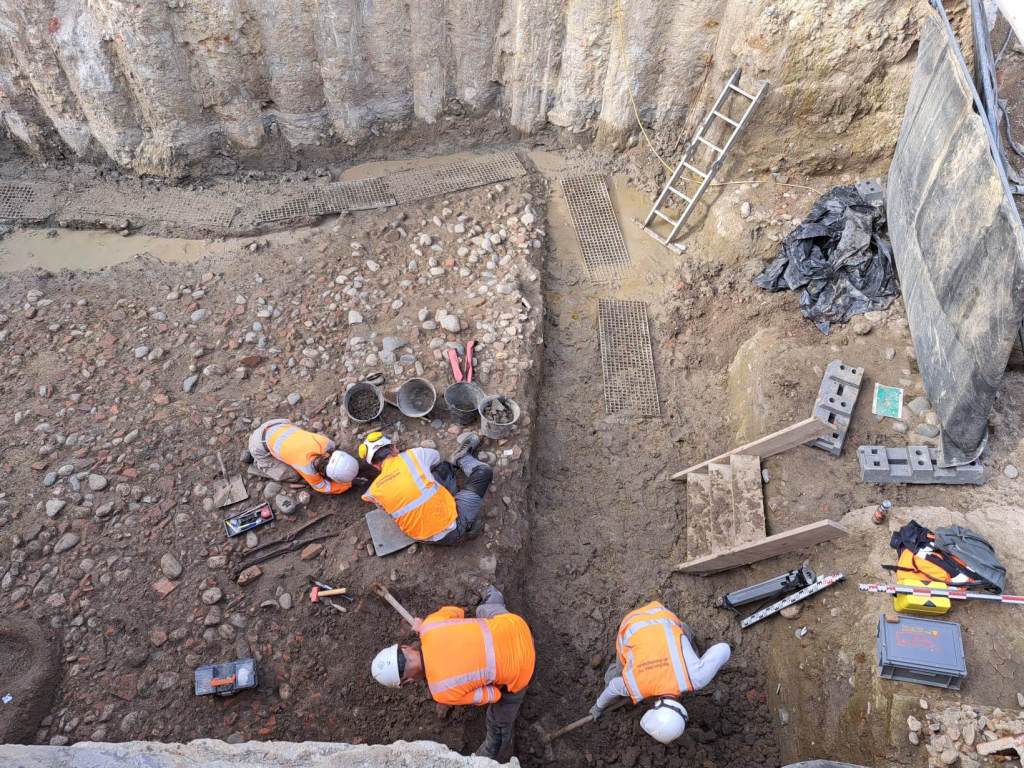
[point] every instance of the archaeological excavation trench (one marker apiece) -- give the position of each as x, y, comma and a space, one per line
215, 214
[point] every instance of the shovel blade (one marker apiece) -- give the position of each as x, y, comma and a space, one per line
229, 492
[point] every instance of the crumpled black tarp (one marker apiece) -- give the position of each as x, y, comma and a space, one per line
840, 255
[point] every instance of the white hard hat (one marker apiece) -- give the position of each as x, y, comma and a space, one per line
385, 667
665, 721
342, 468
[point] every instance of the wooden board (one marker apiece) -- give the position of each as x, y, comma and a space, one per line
779, 544
723, 519
698, 517
747, 498
777, 442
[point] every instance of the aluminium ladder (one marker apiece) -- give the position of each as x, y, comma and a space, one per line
714, 118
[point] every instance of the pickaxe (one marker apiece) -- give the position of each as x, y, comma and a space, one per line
381, 591
547, 738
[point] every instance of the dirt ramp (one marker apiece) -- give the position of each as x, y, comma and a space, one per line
30, 656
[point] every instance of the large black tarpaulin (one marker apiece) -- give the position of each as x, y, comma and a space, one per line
958, 244
840, 256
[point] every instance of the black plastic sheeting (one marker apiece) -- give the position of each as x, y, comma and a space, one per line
958, 243
840, 256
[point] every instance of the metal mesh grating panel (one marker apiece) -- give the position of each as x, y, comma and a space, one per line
358, 195
26, 202
189, 209
597, 228
627, 361
13, 200
410, 186
333, 198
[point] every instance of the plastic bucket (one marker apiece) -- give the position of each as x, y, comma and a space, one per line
416, 397
498, 416
363, 402
462, 400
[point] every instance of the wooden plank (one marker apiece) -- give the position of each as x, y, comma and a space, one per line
698, 517
777, 442
747, 498
723, 519
779, 544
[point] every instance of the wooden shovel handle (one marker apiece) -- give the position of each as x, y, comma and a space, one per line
383, 593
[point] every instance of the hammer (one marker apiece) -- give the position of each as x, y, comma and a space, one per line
321, 590
317, 592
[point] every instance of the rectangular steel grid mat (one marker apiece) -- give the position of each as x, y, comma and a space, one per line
597, 228
167, 205
13, 200
333, 198
26, 202
627, 361
410, 186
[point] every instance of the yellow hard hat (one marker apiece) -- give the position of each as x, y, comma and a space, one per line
371, 444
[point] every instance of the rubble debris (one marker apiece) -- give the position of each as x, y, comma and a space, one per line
840, 256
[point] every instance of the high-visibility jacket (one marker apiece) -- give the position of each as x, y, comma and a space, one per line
650, 651
465, 660
299, 449
407, 491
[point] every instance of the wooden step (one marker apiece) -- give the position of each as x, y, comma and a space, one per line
698, 517
723, 520
747, 498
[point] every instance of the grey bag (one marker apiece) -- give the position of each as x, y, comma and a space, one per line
974, 551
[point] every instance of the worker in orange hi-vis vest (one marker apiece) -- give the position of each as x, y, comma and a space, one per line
279, 442
656, 660
483, 661
420, 492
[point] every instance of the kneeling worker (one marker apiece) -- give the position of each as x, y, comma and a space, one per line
279, 442
419, 490
656, 659
488, 660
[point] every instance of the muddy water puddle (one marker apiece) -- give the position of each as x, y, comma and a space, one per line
93, 250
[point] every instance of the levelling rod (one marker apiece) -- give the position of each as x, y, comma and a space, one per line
952, 594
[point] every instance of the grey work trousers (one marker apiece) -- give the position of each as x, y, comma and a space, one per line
501, 716
469, 502
264, 460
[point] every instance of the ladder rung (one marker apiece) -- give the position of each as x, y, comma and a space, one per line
741, 92
677, 193
661, 215
715, 147
698, 171
729, 120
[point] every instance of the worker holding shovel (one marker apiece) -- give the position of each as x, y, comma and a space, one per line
483, 661
656, 659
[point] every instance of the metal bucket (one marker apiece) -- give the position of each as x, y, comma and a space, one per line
462, 400
504, 413
363, 402
416, 397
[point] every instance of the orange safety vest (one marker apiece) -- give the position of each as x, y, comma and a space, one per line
299, 449
421, 506
465, 660
650, 651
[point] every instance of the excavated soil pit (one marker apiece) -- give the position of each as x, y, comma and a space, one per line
731, 362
